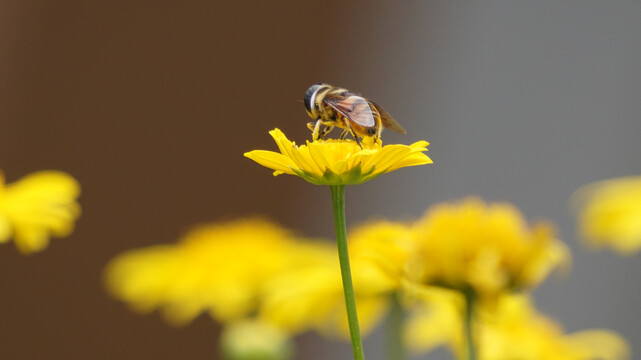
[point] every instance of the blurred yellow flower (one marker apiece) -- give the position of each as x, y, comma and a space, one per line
435, 319
37, 207
232, 269
218, 268
252, 339
513, 329
516, 322
486, 247
310, 296
338, 162
382, 248
610, 213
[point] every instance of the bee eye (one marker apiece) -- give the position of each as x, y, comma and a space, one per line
310, 97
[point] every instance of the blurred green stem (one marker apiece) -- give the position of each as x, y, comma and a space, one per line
470, 299
338, 200
395, 320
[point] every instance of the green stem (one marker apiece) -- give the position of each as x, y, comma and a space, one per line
469, 322
338, 200
395, 320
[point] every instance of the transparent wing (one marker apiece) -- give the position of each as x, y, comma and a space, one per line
388, 121
354, 108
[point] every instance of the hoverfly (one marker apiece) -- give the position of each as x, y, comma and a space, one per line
337, 107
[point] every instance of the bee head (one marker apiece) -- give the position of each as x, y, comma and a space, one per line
310, 100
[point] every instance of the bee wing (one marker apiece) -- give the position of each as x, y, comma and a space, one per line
388, 121
354, 108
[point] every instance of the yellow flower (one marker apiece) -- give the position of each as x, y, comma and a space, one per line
517, 322
338, 162
513, 329
382, 248
218, 268
36, 207
488, 248
611, 213
252, 339
434, 319
310, 296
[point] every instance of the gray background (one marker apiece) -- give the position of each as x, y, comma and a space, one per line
522, 102
147, 103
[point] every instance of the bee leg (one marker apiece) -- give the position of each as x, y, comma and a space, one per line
358, 141
344, 134
351, 131
311, 125
315, 128
325, 131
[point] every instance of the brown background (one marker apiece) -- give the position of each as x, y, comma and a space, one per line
150, 104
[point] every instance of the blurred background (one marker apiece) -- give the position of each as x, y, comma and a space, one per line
150, 105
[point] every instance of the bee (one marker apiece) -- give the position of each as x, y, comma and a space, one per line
331, 107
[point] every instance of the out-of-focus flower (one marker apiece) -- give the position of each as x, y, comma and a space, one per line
513, 329
230, 269
610, 213
435, 319
338, 162
488, 248
382, 249
310, 296
218, 268
37, 207
252, 339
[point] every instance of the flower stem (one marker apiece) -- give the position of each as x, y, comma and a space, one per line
338, 200
395, 320
469, 322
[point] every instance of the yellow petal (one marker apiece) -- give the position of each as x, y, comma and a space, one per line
272, 160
